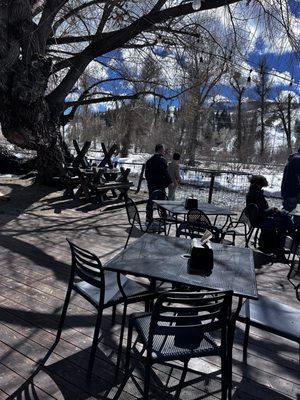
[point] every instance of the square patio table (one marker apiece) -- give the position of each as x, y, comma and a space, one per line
177, 207
162, 258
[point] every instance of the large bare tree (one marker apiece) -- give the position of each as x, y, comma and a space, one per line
46, 45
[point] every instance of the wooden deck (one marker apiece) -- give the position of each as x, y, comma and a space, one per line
34, 265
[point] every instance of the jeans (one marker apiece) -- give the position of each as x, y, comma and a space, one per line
171, 192
149, 206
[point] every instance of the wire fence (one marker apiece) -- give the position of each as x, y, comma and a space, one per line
220, 185
223, 188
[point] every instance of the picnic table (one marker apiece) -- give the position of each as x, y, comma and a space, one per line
95, 181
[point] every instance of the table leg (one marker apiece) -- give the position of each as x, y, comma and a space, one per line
231, 331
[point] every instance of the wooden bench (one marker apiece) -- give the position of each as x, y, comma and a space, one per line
121, 187
270, 315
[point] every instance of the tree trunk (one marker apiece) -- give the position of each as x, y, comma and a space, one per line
239, 128
126, 140
289, 123
262, 132
191, 152
28, 121
50, 161
26, 117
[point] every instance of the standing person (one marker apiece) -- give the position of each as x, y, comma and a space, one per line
157, 176
290, 185
175, 176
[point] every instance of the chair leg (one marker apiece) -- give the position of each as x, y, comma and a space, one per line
128, 237
147, 381
246, 339
63, 314
94, 344
256, 237
181, 381
129, 342
224, 380
121, 338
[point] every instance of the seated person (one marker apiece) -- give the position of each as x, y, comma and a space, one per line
274, 224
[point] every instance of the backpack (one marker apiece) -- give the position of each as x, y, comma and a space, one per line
270, 240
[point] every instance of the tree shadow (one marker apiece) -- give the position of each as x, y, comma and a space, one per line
67, 377
22, 197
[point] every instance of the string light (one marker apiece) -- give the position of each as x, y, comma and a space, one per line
196, 4
249, 77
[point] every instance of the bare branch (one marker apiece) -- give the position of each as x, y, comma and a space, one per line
117, 39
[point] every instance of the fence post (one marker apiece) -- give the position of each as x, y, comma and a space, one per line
211, 186
140, 178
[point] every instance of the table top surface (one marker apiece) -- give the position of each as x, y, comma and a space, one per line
177, 207
161, 257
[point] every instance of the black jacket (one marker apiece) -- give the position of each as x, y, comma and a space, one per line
156, 173
256, 195
290, 185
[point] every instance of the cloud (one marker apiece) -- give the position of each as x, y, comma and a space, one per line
96, 70
280, 78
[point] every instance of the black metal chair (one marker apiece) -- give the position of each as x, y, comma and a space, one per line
102, 289
244, 226
165, 217
133, 215
270, 315
181, 327
197, 222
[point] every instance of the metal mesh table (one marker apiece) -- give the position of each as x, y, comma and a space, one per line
161, 257
177, 207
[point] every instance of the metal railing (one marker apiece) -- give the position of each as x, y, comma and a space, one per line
221, 185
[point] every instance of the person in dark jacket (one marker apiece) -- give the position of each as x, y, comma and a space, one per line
290, 185
157, 176
273, 222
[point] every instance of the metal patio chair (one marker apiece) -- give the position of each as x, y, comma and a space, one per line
197, 222
102, 289
166, 217
134, 219
244, 226
180, 327
271, 316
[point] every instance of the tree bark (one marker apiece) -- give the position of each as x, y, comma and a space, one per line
50, 163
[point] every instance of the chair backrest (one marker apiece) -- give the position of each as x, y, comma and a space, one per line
132, 212
198, 218
249, 215
190, 315
87, 266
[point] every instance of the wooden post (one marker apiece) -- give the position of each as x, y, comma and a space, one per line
140, 178
211, 186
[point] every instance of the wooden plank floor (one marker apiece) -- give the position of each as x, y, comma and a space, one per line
34, 267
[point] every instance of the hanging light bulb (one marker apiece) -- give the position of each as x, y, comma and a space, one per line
196, 4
